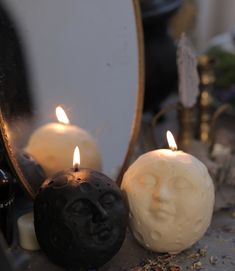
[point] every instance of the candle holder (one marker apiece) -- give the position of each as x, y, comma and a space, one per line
155, 119
187, 124
198, 121
207, 79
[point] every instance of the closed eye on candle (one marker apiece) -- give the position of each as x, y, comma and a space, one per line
148, 179
181, 183
81, 208
108, 199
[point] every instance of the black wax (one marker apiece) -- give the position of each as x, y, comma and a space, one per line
31, 169
80, 218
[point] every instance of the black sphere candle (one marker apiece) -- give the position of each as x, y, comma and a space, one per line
80, 218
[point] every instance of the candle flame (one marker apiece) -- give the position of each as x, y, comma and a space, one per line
171, 141
76, 158
61, 115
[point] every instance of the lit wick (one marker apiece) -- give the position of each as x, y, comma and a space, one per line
76, 159
61, 115
171, 141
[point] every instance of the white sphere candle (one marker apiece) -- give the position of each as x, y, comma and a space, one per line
52, 145
171, 198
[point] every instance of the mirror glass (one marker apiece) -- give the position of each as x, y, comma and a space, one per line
83, 55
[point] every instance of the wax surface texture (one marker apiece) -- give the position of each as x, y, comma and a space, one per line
52, 145
27, 237
80, 219
171, 198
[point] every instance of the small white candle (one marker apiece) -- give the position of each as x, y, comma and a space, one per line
171, 198
27, 237
52, 145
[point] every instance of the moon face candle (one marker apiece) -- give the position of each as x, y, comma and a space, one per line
80, 218
52, 145
171, 198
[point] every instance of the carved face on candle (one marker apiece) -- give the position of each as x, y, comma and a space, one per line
171, 198
80, 218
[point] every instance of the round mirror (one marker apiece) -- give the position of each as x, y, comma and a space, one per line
84, 55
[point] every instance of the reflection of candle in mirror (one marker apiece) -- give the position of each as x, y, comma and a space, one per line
171, 198
52, 145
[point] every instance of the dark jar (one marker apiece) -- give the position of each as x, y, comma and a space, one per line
6, 205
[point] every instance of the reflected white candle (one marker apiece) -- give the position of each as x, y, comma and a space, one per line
52, 145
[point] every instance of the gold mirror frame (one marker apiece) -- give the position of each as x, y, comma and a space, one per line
6, 145
11, 159
140, 92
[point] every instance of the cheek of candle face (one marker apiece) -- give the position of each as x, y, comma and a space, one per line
171, 199
52, 145
27, 237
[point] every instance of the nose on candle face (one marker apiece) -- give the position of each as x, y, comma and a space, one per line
164, 193
100, 214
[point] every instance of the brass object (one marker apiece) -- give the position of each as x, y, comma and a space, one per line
205, 68
187, 125
140, 93
166, 109
11, 158
220, 110
195, 122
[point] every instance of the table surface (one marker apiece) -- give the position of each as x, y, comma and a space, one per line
214, 252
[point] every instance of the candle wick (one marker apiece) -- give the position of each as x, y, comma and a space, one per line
76, 167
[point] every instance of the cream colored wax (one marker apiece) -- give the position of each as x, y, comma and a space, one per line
171, 198
52, 145
27, 236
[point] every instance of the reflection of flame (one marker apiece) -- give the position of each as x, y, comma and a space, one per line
61, 115
171, 141
76, 157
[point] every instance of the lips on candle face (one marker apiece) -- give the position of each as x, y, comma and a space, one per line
81, 217
171, 200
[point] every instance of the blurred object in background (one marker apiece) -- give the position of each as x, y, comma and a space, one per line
214, 17
14, 85
224, 69
6, 205
160, 52
225, 41
205, 101
184, 20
